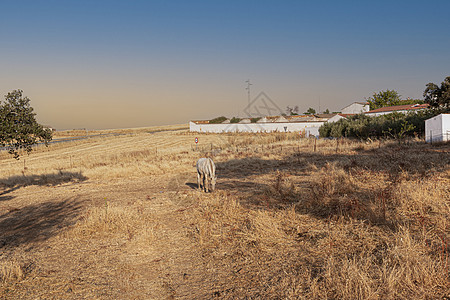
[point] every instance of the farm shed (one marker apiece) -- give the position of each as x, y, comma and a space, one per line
437, 129
356, 108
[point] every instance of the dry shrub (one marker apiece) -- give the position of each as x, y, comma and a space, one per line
333, 181
282, 187
333, 192
10, 271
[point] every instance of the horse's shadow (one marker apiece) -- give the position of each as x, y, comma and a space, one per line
193, 186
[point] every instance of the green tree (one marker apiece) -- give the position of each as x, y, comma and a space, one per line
217, 120
436, 96
412, 101
327, 111
310, 111
384, 98
18, 126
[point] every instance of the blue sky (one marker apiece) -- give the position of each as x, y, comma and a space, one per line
116, 64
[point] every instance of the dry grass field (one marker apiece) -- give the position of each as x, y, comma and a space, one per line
119, 217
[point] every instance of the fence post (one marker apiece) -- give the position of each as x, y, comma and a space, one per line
315, 143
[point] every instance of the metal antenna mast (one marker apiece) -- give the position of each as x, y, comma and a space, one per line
319, 106
248, 89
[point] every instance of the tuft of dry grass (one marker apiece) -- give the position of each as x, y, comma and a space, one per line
10, 271
132, 222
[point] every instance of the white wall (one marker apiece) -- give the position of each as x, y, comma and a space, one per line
437, 129
310, 128
404, 111
355, 108
375, 114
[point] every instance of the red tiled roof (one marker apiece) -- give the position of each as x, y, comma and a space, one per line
298, 117
399, 107
325, 116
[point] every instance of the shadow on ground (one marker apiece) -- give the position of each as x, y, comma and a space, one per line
416, 159
37, 222
192, 185
13, 183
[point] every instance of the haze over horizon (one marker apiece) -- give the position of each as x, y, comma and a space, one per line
122, 64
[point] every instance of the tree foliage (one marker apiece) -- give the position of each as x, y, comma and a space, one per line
18, 126
412, 101
438, 96
394, 125
384, 98
218, 120
310, 111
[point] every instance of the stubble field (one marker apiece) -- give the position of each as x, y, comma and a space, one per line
118, 216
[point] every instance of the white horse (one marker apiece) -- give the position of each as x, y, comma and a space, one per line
206, 171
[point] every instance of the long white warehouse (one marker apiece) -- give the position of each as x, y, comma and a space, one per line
308, 125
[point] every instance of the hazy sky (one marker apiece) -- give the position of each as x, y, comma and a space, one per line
115, 64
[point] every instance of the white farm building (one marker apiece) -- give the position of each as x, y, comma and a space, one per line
437, 129
355, 108
308, 125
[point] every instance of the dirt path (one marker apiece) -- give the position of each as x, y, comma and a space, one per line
34, 230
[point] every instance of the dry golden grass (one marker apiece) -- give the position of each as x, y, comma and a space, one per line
83, 132
10, 270
119, 217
